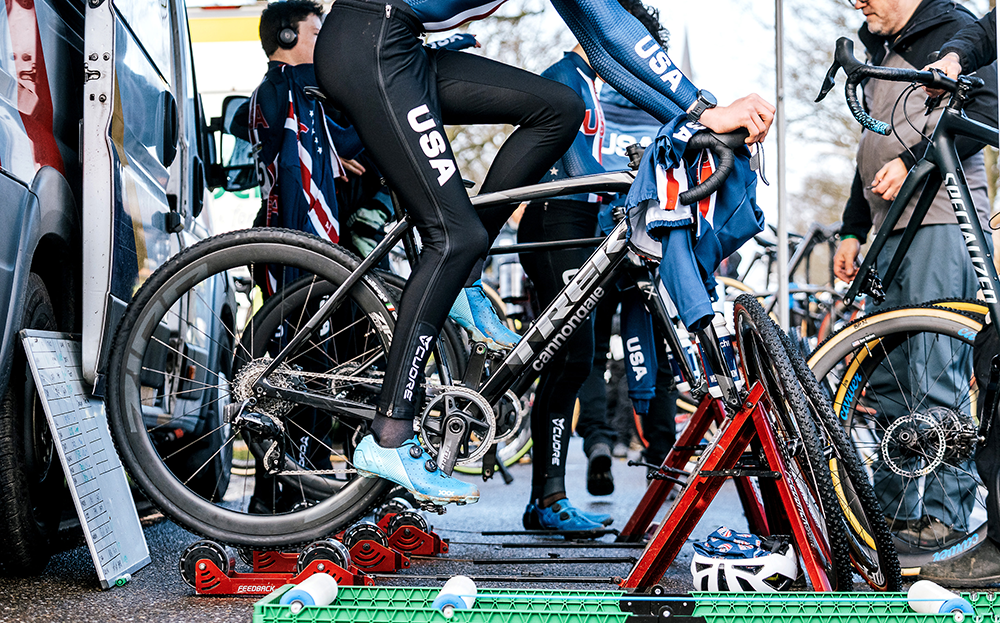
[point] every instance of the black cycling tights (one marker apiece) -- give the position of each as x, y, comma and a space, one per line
399, 95
559, 383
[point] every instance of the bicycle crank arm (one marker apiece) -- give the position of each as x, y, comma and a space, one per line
456, 430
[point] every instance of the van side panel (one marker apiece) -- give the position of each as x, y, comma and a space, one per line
40, 103
124, 226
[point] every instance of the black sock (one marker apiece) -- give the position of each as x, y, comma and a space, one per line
391, 432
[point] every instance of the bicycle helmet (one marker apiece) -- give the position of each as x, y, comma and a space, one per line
725, 565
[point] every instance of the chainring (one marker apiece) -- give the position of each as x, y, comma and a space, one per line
473, 407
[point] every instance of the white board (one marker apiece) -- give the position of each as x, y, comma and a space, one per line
93, 471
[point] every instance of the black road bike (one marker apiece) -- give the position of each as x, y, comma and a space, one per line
314, 346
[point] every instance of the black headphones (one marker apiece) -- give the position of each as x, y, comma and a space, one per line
287, 36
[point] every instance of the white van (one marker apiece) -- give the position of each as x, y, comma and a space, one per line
103, 148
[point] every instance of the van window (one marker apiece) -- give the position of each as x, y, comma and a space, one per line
149, 19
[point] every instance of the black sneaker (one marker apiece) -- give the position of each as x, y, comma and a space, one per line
936, 533
599, 478
977, 568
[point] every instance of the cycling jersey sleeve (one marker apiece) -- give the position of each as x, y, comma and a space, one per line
625, 55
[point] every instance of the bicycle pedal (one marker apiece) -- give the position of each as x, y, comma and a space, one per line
431, 507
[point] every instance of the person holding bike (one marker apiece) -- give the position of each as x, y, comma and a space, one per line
398, 95
902, 33
974, 47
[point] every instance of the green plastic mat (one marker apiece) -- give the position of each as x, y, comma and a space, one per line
368, 604
832, 608
373, 605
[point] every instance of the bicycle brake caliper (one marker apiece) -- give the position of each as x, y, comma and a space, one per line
872, 286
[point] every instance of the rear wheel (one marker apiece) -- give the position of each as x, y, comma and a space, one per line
31, 478
153, 374
902, 387
765, 360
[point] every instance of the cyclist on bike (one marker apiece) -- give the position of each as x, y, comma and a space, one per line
902, 33
398, 95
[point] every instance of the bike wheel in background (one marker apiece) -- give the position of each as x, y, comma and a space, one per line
915, 432
156, 376
764, 359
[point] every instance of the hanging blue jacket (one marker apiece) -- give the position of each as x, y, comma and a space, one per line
694, 239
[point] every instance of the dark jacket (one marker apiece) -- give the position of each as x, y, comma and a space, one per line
934, 23
976, 44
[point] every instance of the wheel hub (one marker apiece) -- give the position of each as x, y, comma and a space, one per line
919, 443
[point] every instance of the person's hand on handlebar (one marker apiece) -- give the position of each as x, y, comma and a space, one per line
751, 112
950, 65
889, 179
845, 259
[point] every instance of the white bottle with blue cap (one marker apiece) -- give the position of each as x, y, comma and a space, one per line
930, 598
458, 593
319, 589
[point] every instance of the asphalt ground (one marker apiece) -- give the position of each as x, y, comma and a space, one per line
68, 589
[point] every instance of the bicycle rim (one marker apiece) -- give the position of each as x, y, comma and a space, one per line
880, 398
764, 359
156, 374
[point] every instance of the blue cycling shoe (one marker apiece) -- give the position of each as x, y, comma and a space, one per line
474, 312
412, 468
562, 516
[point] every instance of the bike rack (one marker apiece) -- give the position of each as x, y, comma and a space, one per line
748, 428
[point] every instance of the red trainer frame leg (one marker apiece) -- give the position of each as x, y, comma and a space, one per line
722, 454
709, 410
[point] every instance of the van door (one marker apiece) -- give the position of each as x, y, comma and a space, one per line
130, 138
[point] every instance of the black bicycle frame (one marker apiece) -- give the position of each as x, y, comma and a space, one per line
940, 162
552, 328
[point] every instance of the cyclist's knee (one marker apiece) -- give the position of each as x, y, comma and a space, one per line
469, 243
564, 111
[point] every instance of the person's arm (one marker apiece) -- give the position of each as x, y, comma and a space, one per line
857, 219
853, 232
623, 53
975, 45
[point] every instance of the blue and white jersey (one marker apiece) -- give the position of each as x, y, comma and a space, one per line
625, 125
620, 49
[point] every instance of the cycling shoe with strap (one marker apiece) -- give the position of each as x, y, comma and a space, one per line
537, 518
412, 468
474, 312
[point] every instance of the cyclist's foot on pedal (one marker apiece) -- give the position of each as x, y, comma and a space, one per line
599, 478
411, 467
577, 520
474, 312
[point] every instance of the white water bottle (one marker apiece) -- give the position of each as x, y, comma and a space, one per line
319, 589
929, 598
458, 593
726, 346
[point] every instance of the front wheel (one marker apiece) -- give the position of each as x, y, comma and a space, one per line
158, 382
872, 550
764, 359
